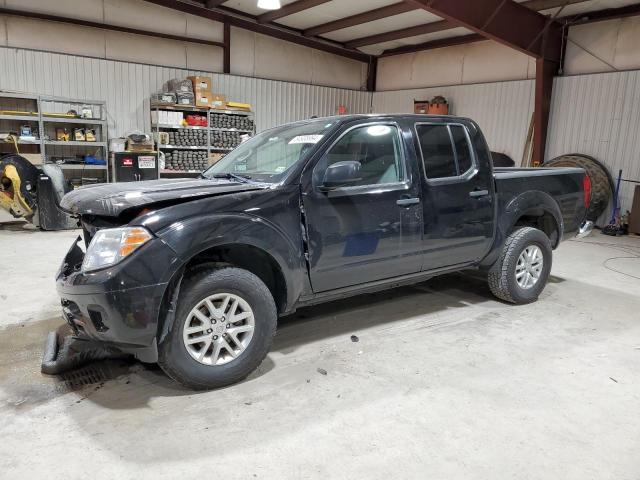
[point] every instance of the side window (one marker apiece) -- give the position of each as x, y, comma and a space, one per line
437, 151
445, 150
376, 147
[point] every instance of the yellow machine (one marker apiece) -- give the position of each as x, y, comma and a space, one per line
12, 198
33, 193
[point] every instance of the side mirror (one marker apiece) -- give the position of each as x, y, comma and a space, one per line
341, 174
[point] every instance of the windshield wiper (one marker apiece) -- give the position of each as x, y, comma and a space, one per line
233, 176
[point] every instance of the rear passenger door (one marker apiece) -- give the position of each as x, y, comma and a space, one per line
458, 201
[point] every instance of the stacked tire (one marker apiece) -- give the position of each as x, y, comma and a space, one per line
224, 140
239, 122
186, 160
188, 137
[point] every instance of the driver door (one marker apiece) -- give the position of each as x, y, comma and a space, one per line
370, 230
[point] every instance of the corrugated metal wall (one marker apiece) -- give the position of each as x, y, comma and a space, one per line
599, 115
595, 114
503, 109
126, 87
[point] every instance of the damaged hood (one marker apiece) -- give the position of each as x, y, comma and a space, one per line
111, 199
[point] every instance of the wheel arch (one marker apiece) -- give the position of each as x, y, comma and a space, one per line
534, 209
243, 241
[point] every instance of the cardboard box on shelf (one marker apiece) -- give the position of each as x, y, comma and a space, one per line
204, 99
146, 146
201, 84
421, 107
218, 101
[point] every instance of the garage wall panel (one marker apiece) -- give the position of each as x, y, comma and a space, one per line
126, 87
598, 115
503, 109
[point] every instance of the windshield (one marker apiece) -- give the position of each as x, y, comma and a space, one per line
267, 156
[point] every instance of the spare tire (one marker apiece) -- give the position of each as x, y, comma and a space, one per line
601, 182
502, 160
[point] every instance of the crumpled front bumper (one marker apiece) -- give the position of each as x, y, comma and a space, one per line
119, 305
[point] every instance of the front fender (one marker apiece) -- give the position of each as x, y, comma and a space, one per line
193, 235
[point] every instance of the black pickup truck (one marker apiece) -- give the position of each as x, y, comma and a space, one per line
193, 273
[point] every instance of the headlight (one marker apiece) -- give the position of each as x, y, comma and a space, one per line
112, 245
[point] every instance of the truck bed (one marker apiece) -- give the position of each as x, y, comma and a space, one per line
564, 185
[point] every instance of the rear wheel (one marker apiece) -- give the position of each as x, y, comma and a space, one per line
223, 329
522, 271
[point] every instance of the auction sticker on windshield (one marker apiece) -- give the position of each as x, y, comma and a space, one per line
305, 139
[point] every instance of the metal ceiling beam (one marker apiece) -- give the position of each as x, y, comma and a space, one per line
441, 25
106, 26
579, 19
443, 42
536, 35
248, 23
605, 14
289, 9
214, 3
401, 33
359, 19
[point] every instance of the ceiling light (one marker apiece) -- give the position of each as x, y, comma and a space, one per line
269, 4
377, 130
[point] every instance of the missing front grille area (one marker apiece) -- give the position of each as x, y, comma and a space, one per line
94, 374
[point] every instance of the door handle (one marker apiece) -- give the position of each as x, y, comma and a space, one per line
479, 193
403, 202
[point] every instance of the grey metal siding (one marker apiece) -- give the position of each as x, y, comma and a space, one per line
599, 115
502, 109
126, 87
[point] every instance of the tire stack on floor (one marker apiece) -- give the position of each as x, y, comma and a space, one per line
195, 160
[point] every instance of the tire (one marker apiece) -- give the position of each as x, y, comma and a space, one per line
502, 275
601, 182
179, 360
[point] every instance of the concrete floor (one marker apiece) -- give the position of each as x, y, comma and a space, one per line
445, 382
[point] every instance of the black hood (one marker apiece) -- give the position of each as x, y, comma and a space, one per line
111, 199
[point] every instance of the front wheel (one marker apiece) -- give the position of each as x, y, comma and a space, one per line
223, 329
522, 271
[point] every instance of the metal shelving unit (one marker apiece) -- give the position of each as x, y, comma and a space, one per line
17, 109
49, 112
182, 147
159, 127
52, 110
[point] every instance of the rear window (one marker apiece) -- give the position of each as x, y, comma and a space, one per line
463, 154
445, 150
437, 151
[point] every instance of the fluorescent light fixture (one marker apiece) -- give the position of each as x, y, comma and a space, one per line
269, 4
377, 130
